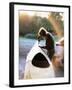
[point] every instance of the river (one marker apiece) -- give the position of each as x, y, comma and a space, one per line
25, 46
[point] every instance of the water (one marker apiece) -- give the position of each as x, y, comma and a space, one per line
26, 41
25, 46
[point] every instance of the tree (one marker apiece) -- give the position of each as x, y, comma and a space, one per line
56, 19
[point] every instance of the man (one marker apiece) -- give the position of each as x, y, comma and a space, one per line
50, 45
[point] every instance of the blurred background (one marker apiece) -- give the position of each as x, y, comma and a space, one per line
29, 24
